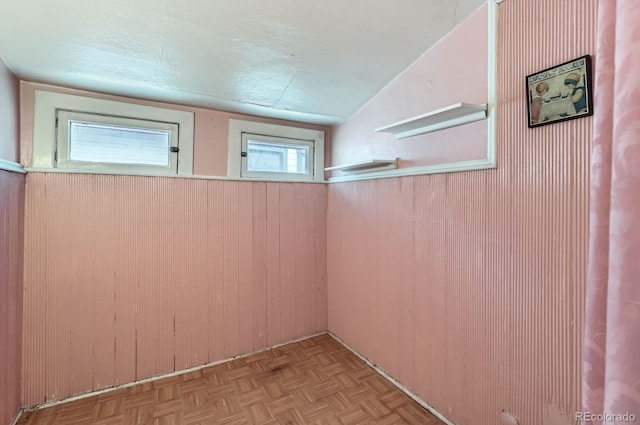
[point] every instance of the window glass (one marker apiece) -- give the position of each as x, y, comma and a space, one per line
90, 142
277, 157
269, 157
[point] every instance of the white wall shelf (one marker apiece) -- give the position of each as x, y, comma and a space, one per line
7, 165
449, 116
366, 166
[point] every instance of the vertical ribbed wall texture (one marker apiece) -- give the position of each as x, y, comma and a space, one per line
469, 287
11, 266
130, 277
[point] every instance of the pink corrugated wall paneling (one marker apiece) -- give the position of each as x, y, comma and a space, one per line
132, 277
469, 287
11, 267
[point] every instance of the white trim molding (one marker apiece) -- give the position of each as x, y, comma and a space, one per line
492, 102
238, 127
476, 164
15, 420
47, 103
375, 367
11, 166
490, 161
134, 174
167, 375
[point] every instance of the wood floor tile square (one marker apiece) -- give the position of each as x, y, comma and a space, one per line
316, 411
338, 401
390, 419
354, 415
316, 381
374, 408
412, 414
291, 417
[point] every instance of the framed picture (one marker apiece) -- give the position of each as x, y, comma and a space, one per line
560, 93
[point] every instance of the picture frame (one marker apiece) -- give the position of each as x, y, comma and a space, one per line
562, 92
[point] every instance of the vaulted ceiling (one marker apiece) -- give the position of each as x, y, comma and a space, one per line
310, 61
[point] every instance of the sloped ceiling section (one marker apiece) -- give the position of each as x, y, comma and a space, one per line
304, 60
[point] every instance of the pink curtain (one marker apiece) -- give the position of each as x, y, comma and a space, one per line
612, 337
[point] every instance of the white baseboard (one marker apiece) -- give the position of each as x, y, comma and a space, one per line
15, 420
156, 378
389, 378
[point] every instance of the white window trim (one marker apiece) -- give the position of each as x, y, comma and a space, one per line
44, 127
237, 127
64, 162
273, 174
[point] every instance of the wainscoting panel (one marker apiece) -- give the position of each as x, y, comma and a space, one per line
131, 277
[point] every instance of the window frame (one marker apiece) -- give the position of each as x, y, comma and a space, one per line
62, 157
276, 141
46, 107
235, 160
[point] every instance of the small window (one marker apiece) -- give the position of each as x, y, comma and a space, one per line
264, 156
90, 141
275, 152
87, 134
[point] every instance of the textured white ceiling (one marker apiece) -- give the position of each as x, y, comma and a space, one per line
312, 61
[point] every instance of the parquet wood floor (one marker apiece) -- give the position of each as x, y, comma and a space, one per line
316, 381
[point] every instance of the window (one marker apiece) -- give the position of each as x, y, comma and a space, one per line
91, 141
271, 157
98, 135
275, 152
